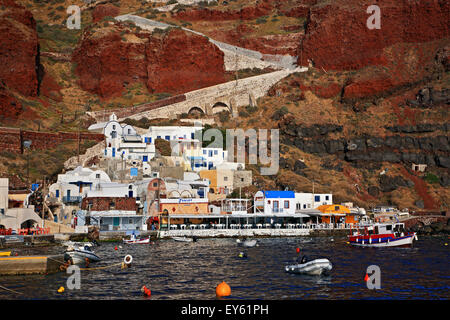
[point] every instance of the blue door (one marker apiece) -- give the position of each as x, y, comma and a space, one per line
57, 193
113, 152
130, 193
145, 158
68, 194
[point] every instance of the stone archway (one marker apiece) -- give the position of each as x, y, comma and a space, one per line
30, 223
196, 111
219, 107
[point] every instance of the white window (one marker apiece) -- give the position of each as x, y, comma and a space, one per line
97, 175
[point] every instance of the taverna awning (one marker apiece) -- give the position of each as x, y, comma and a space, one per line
232, 216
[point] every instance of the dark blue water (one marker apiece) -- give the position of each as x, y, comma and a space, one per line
177, 270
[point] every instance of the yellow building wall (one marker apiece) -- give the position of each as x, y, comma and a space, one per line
211, 175
185, 208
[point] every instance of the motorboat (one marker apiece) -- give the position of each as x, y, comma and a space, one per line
247, 242
185, 239
79, 254
383, 235
315, 267
137, 240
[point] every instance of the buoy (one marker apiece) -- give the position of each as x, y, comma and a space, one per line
348, 242
223, 290
242, 255
446, 244
115, 248
120, 247
298, 250
128, 259
366, 277
146, 291
61, 289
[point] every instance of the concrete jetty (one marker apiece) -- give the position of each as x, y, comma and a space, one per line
23, 265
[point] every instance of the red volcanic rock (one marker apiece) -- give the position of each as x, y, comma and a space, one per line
337, 36
104, 10
405, 64
50, 88
174, 61
324, 92
10, 108
19, 48
206, 14
106, 61
284, 44
182, 61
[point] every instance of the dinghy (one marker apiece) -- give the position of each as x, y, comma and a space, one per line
137, 241
80, 254
185, 239
247, 242
314, 267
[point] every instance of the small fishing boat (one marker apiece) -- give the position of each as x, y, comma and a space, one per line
247, 242
314, 267
5, 254
137, 240
80, 254
185, 239
383, 235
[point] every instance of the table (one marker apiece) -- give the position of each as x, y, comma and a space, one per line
277, 225
259, 225
247, 226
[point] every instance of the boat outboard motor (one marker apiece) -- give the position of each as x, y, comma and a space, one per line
304, 259
194, 239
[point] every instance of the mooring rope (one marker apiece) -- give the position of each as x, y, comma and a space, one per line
65, 265
4, 288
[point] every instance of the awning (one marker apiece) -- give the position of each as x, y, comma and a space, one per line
196, 158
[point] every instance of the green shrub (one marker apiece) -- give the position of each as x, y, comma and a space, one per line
431, 178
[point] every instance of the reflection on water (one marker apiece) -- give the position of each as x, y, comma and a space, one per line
177, 270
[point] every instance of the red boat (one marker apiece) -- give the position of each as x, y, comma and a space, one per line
383, 235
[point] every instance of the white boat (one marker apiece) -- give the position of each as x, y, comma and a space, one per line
314, 267
80, 254
247, 242
184, 239
137, 241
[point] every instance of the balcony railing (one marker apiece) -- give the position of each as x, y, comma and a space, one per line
72, 199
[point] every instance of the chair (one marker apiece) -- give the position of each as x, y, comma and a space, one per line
182, 226
259, 225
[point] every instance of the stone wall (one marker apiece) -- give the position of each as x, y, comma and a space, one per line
11, 139
103, 203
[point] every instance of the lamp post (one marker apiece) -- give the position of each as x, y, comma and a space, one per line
27, 145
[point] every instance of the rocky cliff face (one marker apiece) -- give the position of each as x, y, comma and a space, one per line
109, 59
19, 50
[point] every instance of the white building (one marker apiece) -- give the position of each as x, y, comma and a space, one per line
274, 202
170, 133
288, 202
213, 157
71, 186
312, 200
123, 142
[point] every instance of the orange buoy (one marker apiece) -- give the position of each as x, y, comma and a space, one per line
61, 289
115, 248
146, 291
366, 277
298, 250
223, 290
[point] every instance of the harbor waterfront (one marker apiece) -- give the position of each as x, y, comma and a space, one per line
192, 270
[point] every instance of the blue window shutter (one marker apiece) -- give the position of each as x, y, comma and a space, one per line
316, 198
57, 193
215, 152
